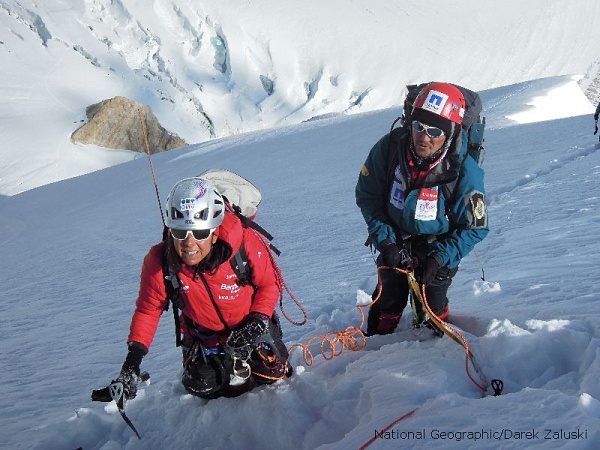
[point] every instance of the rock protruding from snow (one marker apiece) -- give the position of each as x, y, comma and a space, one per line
119, 123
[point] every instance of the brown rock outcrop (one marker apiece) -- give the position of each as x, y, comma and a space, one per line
115, 123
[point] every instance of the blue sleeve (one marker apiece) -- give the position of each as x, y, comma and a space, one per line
372, 192
468, 217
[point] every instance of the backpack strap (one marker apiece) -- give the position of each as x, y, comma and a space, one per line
393, 159
172, 286
249, 223
239, 264
449, 189
393, 156
214, 303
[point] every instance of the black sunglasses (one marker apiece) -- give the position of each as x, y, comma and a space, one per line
199, 235
432, 132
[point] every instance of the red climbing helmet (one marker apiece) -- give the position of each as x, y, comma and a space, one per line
442, 99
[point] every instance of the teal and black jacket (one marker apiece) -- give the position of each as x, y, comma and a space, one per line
448, 208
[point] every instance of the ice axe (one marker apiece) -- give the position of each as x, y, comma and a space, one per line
114, 391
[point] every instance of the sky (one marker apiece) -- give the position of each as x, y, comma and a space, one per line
73, 246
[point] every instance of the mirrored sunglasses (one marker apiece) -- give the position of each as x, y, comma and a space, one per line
199, 235
432, 132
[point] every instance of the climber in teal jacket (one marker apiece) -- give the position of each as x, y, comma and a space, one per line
424, 204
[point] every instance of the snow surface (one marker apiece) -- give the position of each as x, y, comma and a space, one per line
72, 249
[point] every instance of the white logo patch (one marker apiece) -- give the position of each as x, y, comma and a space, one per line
397, 195
187, 204
435, 102
398, 188
427, 204
229, 291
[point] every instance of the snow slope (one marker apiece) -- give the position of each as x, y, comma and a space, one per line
72, 246
78, 245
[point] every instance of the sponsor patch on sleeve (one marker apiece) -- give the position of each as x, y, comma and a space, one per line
477, 210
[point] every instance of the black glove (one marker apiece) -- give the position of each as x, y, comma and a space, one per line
241, 340
394, 257
430, 268
130, 371
596, 128
390, 255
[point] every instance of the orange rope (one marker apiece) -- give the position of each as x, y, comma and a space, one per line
449, 331
282, 284
268, 377
352, 338
446, 328
333, 344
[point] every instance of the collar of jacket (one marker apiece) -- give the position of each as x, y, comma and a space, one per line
443, 172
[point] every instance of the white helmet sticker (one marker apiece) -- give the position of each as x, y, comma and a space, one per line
435, 102
187, 204
199, 190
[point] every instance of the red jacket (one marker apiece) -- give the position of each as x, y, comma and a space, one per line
235, 302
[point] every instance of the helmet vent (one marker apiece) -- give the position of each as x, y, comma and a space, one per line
218, 201
176, 214
201, 215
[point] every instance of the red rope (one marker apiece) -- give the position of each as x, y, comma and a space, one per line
399, 419
282, 284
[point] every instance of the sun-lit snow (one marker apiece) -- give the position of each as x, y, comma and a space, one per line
215, 69
526, 298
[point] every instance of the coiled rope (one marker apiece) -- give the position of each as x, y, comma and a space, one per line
333, 343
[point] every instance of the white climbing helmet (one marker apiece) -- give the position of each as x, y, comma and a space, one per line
194, 204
